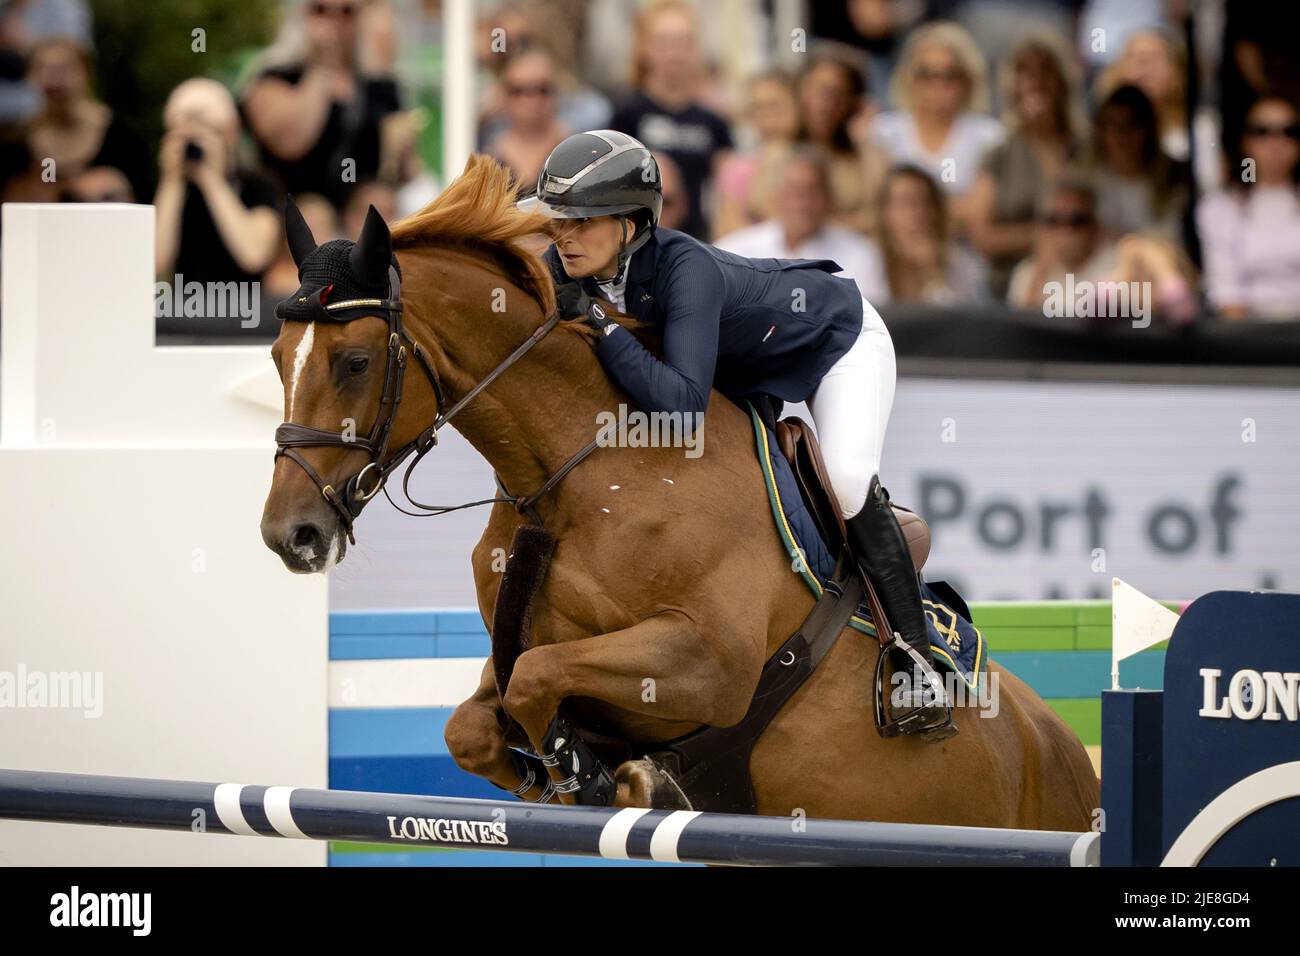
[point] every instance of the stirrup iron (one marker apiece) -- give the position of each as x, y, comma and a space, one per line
932, 732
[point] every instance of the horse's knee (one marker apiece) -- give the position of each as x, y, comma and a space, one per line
531, 685
474, 739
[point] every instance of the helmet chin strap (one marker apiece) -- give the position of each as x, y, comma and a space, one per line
626, 248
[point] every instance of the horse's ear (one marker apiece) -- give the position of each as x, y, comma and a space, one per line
373, 252
296, 230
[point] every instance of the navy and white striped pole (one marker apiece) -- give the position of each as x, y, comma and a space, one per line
677, 836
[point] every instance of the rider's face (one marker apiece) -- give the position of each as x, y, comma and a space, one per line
588, 247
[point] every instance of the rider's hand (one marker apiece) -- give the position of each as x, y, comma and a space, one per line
571, 300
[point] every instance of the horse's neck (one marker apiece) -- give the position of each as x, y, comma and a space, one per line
542, 409
538, 414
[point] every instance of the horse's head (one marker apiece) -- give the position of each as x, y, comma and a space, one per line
342, 354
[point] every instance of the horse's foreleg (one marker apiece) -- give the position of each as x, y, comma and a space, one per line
662, 667
476, 739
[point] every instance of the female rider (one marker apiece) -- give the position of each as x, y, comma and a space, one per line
788, 328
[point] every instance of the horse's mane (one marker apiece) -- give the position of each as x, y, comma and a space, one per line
478, 209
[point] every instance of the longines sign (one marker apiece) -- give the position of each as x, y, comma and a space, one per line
1251, 695
443, 830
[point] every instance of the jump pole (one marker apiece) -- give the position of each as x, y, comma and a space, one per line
459, 823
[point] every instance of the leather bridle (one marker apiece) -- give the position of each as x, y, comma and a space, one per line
289, 437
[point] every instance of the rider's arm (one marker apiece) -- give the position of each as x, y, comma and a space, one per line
682, 380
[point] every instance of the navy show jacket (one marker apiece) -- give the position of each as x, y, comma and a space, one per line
748, 327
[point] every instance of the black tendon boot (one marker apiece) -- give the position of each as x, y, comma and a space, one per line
878, 543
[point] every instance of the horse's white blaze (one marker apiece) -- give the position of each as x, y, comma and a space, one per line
332, 556
299, 361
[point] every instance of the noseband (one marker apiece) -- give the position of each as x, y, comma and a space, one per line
289, 437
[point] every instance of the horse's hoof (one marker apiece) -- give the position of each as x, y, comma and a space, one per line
643, 783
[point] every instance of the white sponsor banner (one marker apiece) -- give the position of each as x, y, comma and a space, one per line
1033, 490
1048, 490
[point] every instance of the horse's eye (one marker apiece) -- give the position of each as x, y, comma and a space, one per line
358, 364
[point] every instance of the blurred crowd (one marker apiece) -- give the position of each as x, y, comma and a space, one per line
944, 152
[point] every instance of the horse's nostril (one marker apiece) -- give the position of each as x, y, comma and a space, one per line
306, 536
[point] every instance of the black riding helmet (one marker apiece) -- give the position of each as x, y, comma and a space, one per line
601, 173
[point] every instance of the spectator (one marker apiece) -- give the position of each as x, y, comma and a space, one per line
744, 185
1070, 241
99, 184
1140, 189
514, 29
1104, 28
20, 174
1257, 58
24, 24
833, 103
801, 227
1044, 134
875, 26
401, 163
665, 113
1250, 229
1157, 65
1155, 263
318, 97
532, 129
676, 204
73, 128
922, 263
216, 221
1072, 253
380, 195
941, 89
281, 279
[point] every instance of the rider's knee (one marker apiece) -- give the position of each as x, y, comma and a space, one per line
849, 481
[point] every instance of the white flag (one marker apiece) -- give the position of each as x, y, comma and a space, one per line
1137, 622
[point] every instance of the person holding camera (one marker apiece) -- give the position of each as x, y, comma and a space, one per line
217, 222
318, 97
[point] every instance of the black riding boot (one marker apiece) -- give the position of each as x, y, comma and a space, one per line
881, 549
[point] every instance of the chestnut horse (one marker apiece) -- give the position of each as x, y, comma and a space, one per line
668, 589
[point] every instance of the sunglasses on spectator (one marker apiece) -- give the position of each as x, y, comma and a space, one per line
529, 89
1072, 220
1290, 131
344, 10
926, 75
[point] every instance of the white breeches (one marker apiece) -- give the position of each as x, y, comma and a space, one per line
851, 411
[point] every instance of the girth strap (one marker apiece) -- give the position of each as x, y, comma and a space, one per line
711, 764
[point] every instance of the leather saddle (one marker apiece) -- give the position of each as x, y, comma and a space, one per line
798, 443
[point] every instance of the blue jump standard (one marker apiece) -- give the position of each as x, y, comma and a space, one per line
414, 821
